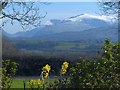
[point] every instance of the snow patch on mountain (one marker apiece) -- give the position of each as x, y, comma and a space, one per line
48, 23
109, 19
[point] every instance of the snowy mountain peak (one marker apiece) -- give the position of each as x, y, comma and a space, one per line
48, 23
83, 18
90, 16
53, 22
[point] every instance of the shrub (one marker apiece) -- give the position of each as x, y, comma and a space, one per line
8, 72
101, 73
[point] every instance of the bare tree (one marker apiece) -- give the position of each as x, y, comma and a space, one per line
26, 13
110, 7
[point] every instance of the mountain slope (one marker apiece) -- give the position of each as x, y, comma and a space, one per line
91, 34
80, 27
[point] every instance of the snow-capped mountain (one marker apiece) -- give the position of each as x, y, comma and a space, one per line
109, 19
84, 17
86, 24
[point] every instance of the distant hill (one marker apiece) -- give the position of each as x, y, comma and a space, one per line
80, 27
92, 34
75, 33
58, 41
8, 49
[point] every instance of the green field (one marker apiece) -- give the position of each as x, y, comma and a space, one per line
70, 45
54, 45
19, 83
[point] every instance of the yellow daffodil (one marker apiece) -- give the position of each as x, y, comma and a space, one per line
46, 68
38, 81
46, 75
64, 67
64, 71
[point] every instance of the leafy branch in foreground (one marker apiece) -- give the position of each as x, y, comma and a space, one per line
101, 73
9, 69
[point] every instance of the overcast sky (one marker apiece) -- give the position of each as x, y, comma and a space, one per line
59, 10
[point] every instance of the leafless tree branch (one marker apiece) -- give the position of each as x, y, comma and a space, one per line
26, 13
110, 8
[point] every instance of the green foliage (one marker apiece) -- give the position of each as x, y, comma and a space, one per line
102, 73
59, 83
8, 72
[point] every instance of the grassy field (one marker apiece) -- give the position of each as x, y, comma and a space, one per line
19, 83
48, 45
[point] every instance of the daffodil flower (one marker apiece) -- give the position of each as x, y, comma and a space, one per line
64, 67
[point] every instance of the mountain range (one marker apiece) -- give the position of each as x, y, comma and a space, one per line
75, 28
